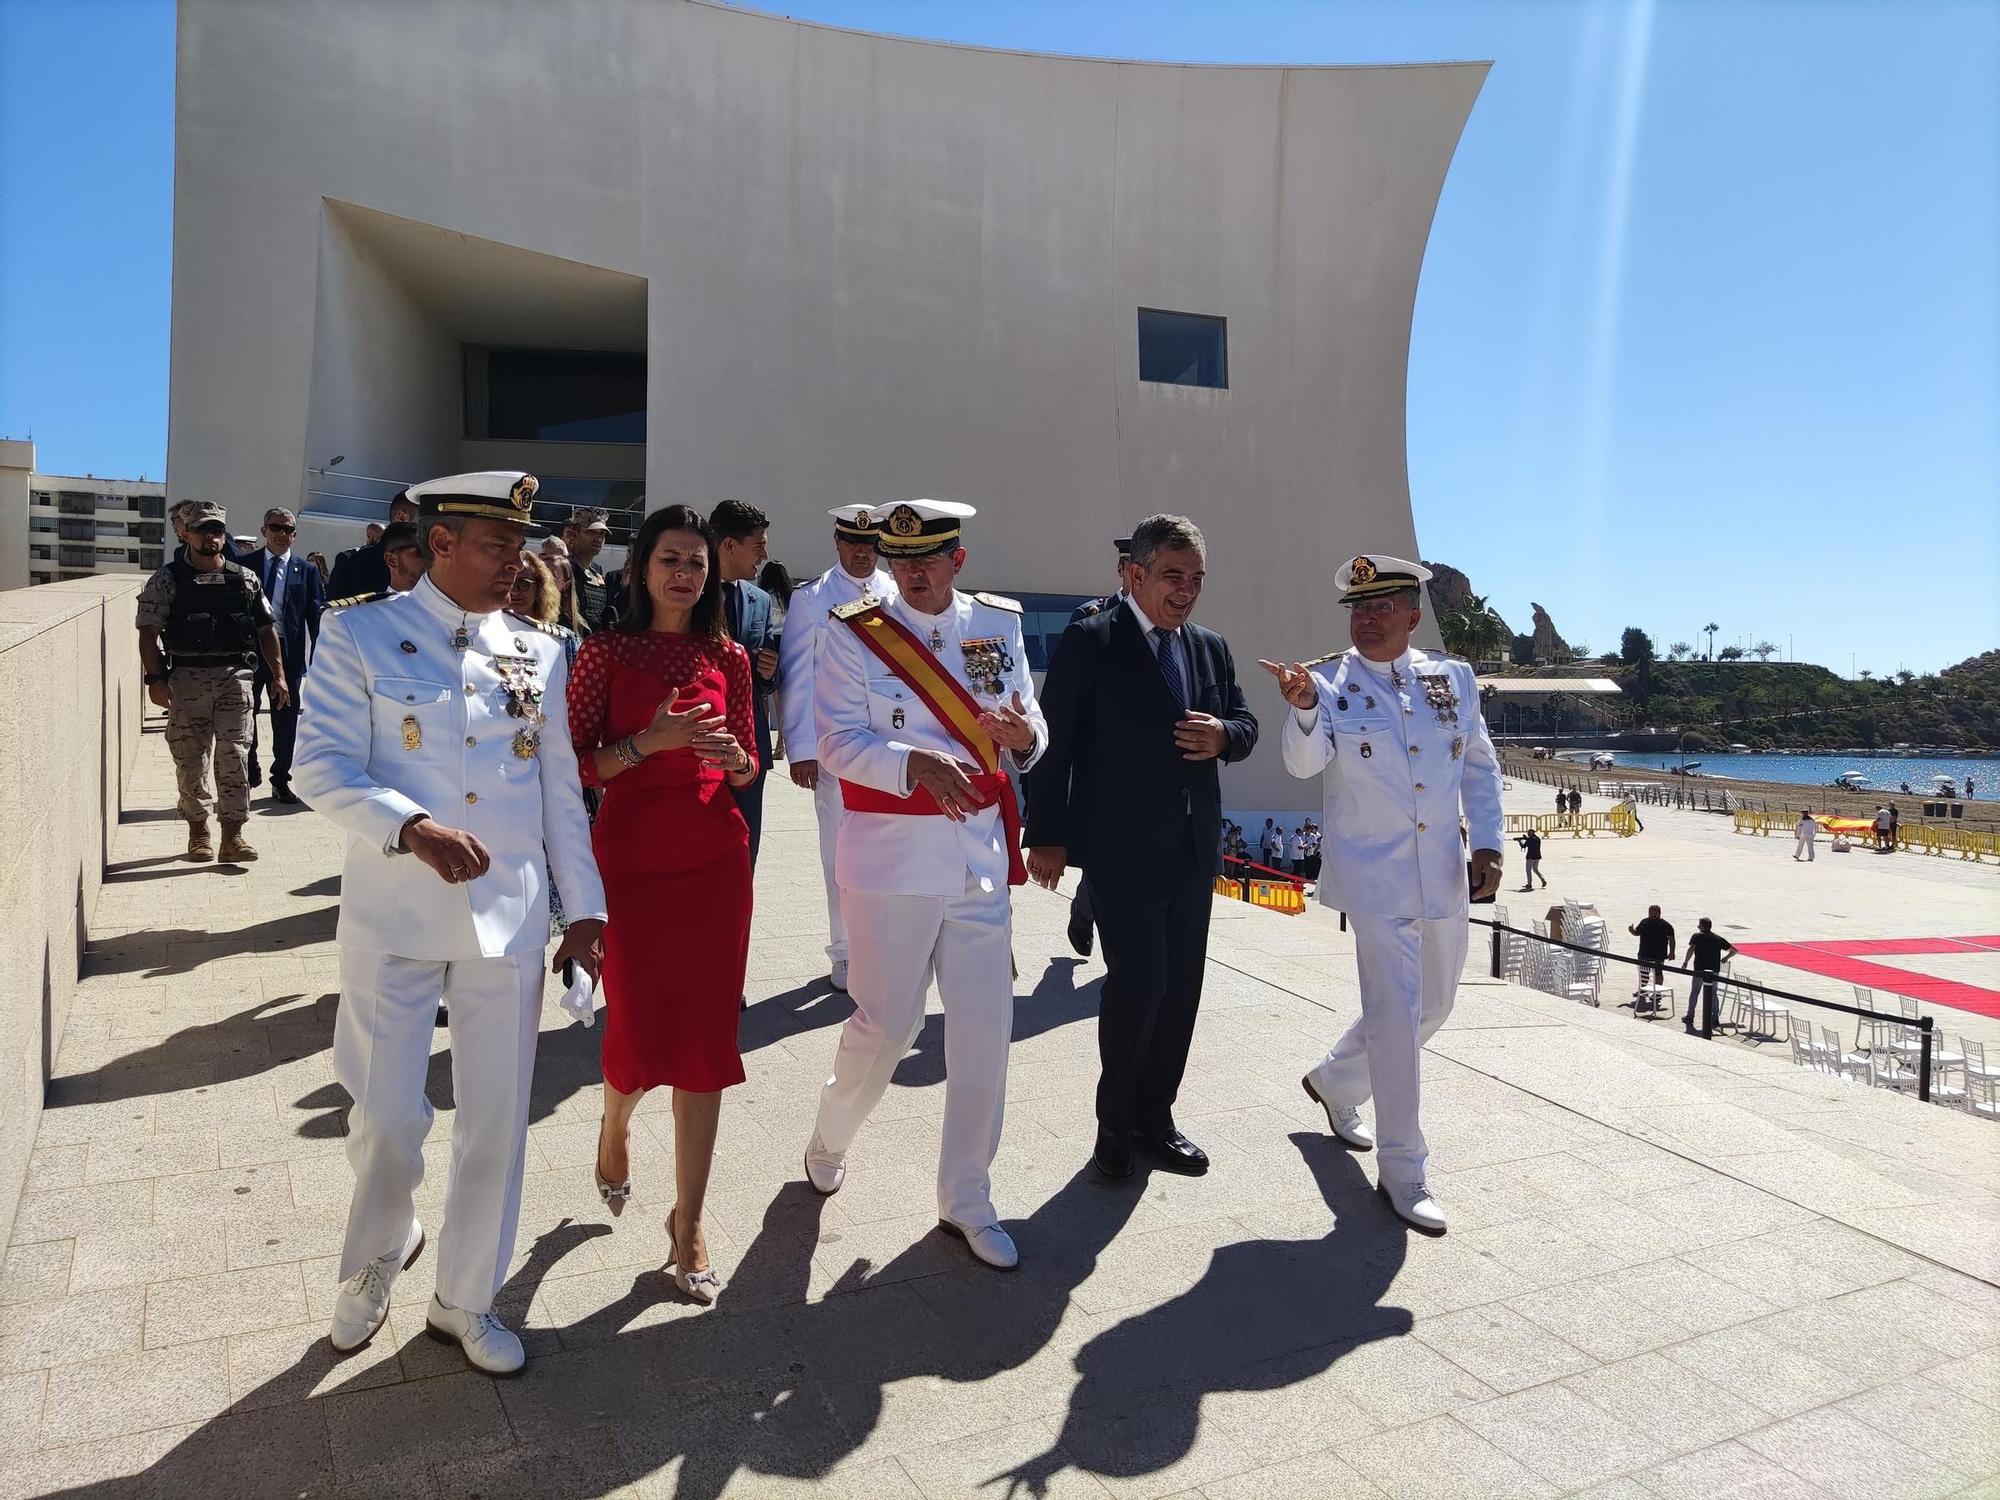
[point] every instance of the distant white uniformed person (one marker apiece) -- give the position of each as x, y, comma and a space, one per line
918, 701
435, 726
856, 574
1400, 739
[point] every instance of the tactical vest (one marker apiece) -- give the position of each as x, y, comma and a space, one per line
213, 621
596, 600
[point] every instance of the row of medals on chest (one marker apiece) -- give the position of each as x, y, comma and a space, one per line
518, 680
988, 663
1439, 696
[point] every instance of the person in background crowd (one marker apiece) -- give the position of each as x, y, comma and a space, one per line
403, 553
1895, 826
318, 560
362, 570
1531, 846
424, 706
1656, 944
1882, 828
856, 574
555, 555
1707, 952
663, 720
928, 850
1143, 708
780, 585
598, 596
372, 533
1396, 779
1562, 805
204, 625
1269, 844
533, 596
297, 595
1805, 832
1081, 919
740, 552
1313, 840
1575, 805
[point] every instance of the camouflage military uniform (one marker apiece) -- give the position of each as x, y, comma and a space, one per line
209, 719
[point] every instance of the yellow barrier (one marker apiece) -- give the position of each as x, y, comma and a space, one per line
1920, 838
1272, 895
1620, 820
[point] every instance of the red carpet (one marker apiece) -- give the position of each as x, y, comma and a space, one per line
1837, 959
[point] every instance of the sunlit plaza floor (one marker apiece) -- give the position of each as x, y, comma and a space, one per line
1674, 1268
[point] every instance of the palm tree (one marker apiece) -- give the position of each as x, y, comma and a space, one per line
1709, 630
1472, 630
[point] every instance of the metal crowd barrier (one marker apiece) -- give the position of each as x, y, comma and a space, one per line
1922, 1024
1271, 889
1920, 838
1620, 820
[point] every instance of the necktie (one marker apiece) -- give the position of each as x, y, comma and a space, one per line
1170, 667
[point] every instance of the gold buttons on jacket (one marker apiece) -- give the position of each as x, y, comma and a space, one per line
470, 742
1420, 785
1413, 749
1420, 828
472, 796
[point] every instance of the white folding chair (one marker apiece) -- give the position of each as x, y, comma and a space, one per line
1765, 1015
1887, 1068
1983, 1096
1865, 999
1845, 1064
1975, 1065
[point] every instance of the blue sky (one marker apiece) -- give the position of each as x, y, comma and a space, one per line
1708, 328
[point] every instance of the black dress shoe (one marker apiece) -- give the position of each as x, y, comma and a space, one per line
1080, 939
281, 791
1113, 1156
1176, 1153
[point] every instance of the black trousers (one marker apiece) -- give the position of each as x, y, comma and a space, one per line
1080, 916
1154, 928
284, 723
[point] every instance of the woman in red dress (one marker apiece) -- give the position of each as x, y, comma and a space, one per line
661, 715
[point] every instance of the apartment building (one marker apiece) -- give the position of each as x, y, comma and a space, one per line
67, 526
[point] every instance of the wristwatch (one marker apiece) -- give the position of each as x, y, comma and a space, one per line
153, 678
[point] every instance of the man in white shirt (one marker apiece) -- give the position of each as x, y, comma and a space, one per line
1399, 742
857, 573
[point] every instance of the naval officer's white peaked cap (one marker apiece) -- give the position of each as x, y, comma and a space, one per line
854, 522
489, 495
917, 528
1373, 574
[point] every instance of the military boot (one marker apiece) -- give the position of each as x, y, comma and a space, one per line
236, 849
201, 847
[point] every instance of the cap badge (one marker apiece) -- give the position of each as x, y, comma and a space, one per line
1361, 570
905, 522
524, 490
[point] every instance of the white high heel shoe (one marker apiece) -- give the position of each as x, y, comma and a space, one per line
703, 1285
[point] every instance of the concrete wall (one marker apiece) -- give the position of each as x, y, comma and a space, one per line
69, 675
17, 462
875, 269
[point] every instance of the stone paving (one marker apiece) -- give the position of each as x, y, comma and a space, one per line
1674, 1269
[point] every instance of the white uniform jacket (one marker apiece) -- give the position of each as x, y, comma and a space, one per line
397, 722
870, 720
805, 618
1396, 771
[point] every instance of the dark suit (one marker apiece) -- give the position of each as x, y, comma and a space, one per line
748, 612
1145, 826
357, 571
300, 598
1081, 918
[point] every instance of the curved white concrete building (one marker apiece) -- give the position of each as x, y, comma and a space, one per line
670, 247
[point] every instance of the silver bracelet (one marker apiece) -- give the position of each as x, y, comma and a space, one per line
628, 752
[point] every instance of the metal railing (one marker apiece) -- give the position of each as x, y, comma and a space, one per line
1619, 821
1920, 838
1922, 1024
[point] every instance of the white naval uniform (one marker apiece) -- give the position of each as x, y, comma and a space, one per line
806, 618
397, 722
922, 895
1395, 865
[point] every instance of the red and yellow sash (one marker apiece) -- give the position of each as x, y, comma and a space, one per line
958, 711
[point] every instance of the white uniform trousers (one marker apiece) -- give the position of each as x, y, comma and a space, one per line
1409, 971
381, 1054
829, 808
1805, 847
895, 944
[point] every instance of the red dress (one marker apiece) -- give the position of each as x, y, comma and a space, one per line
675, 856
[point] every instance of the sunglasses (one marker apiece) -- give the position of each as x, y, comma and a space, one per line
278, 529
210, 530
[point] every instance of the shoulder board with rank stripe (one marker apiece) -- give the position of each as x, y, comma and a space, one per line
1001, 601
353, 599
856, 609
535, 625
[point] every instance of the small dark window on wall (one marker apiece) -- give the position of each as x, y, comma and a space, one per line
1177, 348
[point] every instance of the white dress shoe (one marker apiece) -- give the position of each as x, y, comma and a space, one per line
991, 1244
825, 1170
488, 1346
1414, 1205
363, 1303
1344, 1123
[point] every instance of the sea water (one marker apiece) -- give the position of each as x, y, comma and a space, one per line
1885, 772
